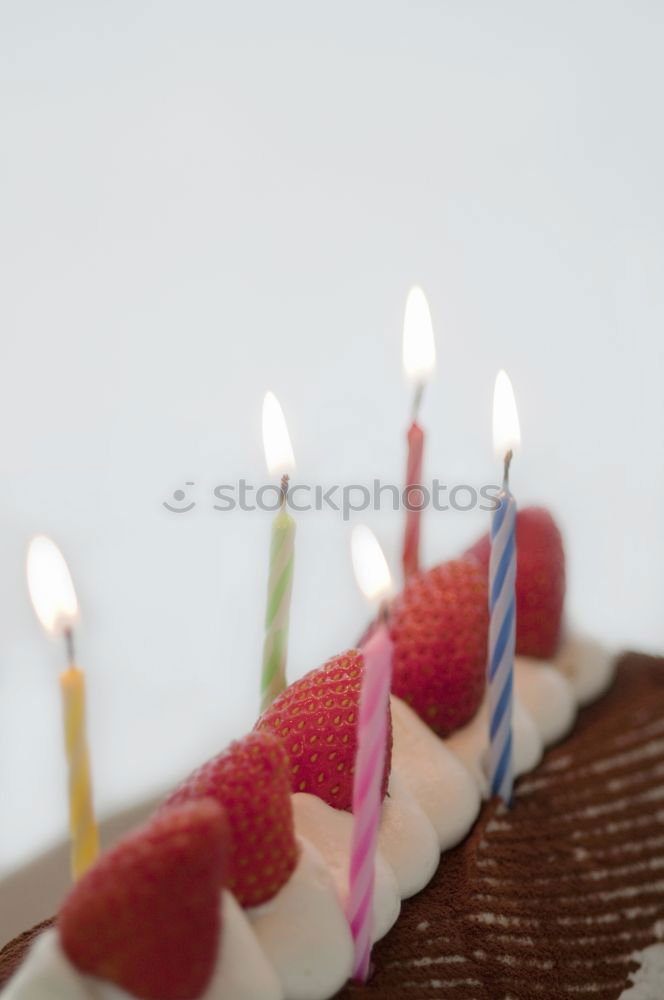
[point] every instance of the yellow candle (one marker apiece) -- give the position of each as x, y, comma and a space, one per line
55, 603
82, 825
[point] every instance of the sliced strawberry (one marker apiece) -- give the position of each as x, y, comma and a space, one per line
316, 718
251, 780
439, 626
147, 916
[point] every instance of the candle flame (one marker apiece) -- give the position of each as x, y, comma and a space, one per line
506, 429
419, 348
370, 565
276, 440
50, 585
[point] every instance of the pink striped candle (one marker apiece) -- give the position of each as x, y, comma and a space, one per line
410, 556
371, 741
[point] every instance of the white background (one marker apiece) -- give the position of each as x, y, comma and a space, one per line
203, 200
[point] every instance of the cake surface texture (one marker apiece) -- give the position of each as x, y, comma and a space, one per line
552, 898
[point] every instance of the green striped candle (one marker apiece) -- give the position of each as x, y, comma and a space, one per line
280, 585
279, 458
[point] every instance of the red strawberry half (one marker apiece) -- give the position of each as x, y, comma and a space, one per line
147, 916
540, 581
251, 780
316, 719
439, 625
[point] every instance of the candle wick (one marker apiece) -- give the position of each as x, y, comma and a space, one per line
417, 400
69, 640
506, 469
384, 613
284, 489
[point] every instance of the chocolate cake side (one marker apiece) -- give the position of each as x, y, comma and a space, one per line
551, 898
15, 951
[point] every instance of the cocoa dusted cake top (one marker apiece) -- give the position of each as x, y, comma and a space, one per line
15, 951
563, 889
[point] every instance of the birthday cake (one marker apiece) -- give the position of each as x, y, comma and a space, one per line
236, 888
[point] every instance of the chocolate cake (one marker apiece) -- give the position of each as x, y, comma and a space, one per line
554, 897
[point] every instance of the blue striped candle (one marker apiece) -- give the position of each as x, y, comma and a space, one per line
502, 638
502, 603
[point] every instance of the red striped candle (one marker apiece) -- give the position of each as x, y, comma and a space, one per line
410, 556
419, 359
